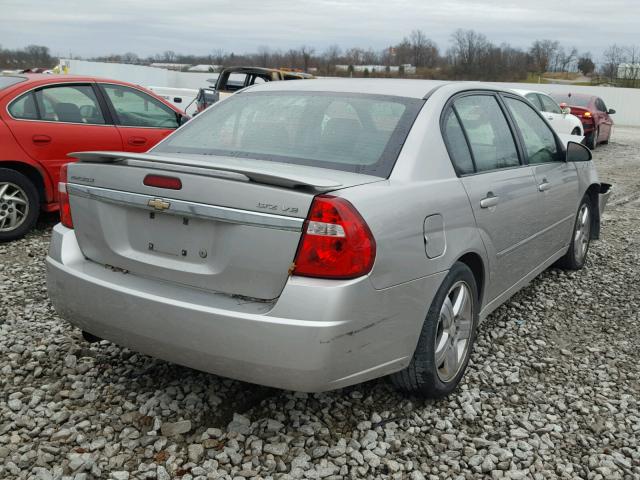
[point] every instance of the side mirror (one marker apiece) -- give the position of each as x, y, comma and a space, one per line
564, 108
611, 111
182, 119
576, 152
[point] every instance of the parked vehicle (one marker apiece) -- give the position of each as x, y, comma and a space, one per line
44, 117
313, 235
562, 121
233, 79
593, 113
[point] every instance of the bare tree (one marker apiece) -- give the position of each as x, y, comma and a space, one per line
306, 53
542, 53
424, 51
467, 51
613, 57
263, 56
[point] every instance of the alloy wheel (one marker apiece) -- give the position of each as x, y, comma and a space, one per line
14, 206
453, 335
582, 233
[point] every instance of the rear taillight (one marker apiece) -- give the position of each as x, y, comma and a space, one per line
587, 115
63, 198
336, 241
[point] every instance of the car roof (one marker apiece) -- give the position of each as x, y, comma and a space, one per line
526, 92
373, 86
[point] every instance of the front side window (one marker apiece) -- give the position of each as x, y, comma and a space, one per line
533, 98
539, 140
349, 132
549, 105
137, 109
70, 104
490, 138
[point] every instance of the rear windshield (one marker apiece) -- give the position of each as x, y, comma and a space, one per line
350, 132
8, 81
572, 100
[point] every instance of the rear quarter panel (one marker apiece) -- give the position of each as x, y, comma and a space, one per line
423, 183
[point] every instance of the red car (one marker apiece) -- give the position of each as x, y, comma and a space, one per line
45, 117
593, 113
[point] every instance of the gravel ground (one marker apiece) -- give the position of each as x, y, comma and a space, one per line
553, 389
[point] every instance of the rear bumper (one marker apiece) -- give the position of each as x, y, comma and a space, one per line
319, 334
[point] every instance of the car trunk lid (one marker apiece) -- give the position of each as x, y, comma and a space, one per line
232, 227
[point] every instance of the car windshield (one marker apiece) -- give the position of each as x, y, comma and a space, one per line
8, 81
350, 132
572, 100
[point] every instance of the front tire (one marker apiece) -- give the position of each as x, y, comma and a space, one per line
19, 205
576, 256
446, 339
575, 131
592, 141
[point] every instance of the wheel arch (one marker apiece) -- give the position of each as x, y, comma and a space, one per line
32, 173
475, 263
593, 193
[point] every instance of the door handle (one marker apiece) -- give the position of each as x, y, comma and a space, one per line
489, 201
137, 141
41, 139
544, 186
549, 118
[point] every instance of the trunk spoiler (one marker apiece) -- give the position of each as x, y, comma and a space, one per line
272, 176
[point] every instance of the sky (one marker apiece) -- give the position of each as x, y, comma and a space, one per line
90, 28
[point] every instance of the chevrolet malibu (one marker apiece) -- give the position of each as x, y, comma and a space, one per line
314, 235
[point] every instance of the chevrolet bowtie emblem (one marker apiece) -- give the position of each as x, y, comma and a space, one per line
158, 204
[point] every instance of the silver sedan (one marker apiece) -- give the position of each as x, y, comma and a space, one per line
313, 235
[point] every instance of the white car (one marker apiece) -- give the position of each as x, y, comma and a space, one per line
562, 121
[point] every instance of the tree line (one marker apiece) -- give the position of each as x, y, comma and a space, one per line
470, 55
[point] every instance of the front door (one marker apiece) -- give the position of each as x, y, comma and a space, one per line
557, 180
141, 119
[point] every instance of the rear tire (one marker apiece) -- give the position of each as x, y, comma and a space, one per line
576, 256
19, 205
446, 339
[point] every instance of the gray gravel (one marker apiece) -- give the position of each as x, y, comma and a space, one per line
552, 391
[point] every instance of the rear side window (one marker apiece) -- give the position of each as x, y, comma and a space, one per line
137, 109
572, 100
539, 140
350, 132
24, 107
70, 104
492, 144
457, 144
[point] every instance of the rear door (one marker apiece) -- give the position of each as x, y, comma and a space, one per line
502, 191
557, 180
52, 121
141, 119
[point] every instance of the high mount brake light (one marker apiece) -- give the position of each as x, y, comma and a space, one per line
336, 242
63, 198
163, 181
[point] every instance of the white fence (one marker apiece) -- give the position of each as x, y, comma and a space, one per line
139, 74
626, 101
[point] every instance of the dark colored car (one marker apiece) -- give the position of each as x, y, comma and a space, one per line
233, 79
593, 113
45, 117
